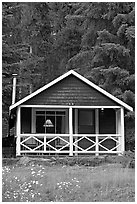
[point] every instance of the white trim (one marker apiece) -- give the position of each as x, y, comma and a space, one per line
43, 109
40, 90
18, 132
67, 151
71, 143
71, 132
76, 121
48, 109
97, 129
118, 127
122, 130
64, 106
78, 76
67, 135
76, 128
103, 91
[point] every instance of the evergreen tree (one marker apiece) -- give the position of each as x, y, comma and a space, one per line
26, 43
107, 54
43, 40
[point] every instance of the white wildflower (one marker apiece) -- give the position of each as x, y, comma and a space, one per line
33, 172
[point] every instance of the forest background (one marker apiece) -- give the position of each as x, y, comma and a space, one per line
43, 40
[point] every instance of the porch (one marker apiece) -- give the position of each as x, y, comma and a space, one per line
69, 130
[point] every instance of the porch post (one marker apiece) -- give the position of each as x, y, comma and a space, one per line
97, 129
76, 128
18, 132
44, 143
70, 132
122, 130
118, 128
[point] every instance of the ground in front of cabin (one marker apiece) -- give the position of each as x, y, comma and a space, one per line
29, 180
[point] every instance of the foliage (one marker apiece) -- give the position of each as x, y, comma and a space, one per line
37, 182
107, 54
42, 40
26, 33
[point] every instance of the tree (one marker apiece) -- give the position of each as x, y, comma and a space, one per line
46, 39
26, 43
66, 38
107, 53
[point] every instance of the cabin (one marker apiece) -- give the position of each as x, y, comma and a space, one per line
69, 116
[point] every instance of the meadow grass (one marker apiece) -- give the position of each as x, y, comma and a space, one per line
63, 183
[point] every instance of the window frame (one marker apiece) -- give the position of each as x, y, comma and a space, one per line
34, 114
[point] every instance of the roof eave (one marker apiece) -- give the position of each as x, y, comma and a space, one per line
121, 103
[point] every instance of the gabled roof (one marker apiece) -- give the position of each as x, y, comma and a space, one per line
121, 103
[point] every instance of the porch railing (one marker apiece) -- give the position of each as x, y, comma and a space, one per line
61, 143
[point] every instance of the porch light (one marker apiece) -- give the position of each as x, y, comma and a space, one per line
48, 123
102, 111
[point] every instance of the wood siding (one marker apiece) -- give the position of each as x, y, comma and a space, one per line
71, 91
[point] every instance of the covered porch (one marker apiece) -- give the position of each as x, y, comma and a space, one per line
69, 130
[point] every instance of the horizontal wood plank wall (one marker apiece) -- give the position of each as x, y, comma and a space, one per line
71, 91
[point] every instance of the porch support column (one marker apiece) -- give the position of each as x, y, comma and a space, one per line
118, 128
18, 132
97, 130
44, 143
76, 129
70, 132
122, 130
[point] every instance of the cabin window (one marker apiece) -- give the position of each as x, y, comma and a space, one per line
52, 122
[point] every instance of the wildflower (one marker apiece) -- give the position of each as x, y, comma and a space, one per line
26, 190
32, 165
33, 172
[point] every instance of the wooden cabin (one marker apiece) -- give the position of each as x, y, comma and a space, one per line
69, 116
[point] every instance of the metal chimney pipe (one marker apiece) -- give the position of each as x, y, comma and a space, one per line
14, 88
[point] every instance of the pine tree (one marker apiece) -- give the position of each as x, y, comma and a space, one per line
26, 43
97, 39
107, 54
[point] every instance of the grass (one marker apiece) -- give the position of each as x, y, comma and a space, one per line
41, 181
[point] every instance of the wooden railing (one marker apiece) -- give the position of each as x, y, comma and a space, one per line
61, 143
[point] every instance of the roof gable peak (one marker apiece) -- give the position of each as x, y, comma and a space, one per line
79, 77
